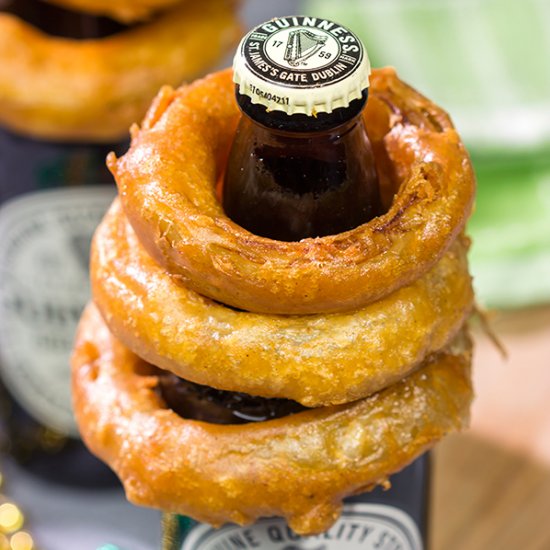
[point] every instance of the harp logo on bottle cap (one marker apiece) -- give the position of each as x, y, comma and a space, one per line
301, 64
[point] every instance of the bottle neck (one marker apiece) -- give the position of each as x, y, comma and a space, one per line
300, 123
292, 138
61, 22
304, 162
293, 184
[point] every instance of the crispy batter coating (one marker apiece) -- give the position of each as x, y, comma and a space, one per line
167, 182
126, 11
299, 467
314, 359
93, 90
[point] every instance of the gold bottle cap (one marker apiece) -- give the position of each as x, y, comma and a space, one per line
301, 64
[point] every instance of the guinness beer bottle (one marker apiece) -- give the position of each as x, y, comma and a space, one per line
52, 196
301, 166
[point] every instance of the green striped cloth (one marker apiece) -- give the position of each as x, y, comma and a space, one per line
487, 62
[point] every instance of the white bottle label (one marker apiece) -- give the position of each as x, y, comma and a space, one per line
44, 285
361, 526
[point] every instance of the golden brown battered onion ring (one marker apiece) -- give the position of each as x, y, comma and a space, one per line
126, 11
314, 359
167, 183
299, 467
93, 90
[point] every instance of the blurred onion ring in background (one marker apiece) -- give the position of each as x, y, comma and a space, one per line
313, 359
171, 203
238, 473
126, 11
93, 90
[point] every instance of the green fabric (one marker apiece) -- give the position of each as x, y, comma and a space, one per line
510, 228
488, 63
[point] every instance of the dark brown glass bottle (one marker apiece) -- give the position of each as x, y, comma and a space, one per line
289, 179
291, 175
52, 195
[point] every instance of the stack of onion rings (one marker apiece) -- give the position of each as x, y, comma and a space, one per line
383, 354
299, 467
93, 90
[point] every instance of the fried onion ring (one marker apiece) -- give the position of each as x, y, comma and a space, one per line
239, 473
315, 359
167, 182
126, 11
93, 90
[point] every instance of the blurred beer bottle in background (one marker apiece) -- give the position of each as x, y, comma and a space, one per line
52, 196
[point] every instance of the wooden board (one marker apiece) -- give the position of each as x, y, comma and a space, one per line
487, 498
